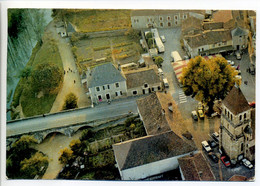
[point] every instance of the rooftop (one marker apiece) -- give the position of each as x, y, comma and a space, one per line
222, 16
191, 23
150, 106
157, 12
238, 31
238, 178
104, 74
139, 78
70, 28
235, 101
150, 149
196, 168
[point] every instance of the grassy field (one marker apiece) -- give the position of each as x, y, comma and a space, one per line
24, 94
96, 51
98, 20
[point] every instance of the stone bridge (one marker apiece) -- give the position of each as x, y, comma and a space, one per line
66, 130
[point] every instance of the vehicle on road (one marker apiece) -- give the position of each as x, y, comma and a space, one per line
176, 56
238, 55
251, 69
238, 77
215, 136
225, 161
206, 146
165, 82
163, 39
160, 71
238, 72
247, 163
232, 63
194, 115
213, 157
201, 114
212, 143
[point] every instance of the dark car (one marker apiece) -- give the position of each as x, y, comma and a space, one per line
213, 157
215, 136
225, 161
212, 143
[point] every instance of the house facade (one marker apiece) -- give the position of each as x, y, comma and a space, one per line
239, 38
142, 19
105, 83
236, 133
142, 82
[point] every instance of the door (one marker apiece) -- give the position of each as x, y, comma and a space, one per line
107, 96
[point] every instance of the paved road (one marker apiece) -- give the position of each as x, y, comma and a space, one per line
102, 111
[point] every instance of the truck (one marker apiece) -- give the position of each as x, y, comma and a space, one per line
175, 56
158, 40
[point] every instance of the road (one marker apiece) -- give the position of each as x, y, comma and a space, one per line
100, 112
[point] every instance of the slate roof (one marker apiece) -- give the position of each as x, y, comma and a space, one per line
138, 79
235, 101
70, 28
157, 12
196, 168
208, 38
149, 149
104, 74
239, 32
152, 115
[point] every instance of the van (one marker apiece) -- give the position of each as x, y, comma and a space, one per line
160, 72
165, 82
175, 56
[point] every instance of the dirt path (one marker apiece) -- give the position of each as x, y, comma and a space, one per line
72, 82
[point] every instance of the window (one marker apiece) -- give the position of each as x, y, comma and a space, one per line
134, 20
228, 126
99, 98
161, 24
228, 115
134, 92
231, 117
159, 88
240, 117
117, 85
152, 89
104, 88
116, 94
202, 49
245, 116
169, 18
137, 20
147, 19
121, 93
108, 87
175, 17
160, 18
184, 16
225, 111
176, 23
169, 24
145, 85
97, 89
242, 146
199, 50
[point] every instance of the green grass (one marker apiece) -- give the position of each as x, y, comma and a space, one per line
31, 105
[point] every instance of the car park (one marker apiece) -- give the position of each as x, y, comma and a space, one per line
215, 136
194, 115
206, 146
225, 161
247, 163
213, 157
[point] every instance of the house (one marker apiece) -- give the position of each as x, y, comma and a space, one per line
105, 83
208, 42
142, 82
194, 167
150, 155
236, 130
151, 106
141, 19
239, 38
191, 26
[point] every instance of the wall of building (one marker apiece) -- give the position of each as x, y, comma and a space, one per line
241, 41
151, 169
139, 90
111, 91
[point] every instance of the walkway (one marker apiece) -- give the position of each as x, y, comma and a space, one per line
71, 82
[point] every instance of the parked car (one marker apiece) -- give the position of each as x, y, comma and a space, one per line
194, 115
238, 55
247, 163
163, 39
215, 136
225, 161
212, 143
206, 146
232, 63
238, 72
213, 157
238, 77
201, 114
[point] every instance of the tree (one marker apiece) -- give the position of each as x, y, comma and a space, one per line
207, 80
22, 145
86, 135
70, 102
149, 35
66, 155
133, 34
76, 146
26, 72
150, 43
33, 166
47, 77
158, 60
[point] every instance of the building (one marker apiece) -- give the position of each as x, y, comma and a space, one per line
70, 29
142, 82
236, 131
151, 106
142, 19
239, 38
150, 156
194, 167
105, 83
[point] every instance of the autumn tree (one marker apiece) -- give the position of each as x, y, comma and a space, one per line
47, 77
66, 155
158, 60
34, 165
22, 145
207, 80
71, 102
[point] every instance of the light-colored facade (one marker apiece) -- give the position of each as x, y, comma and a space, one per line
239, 38
145, 89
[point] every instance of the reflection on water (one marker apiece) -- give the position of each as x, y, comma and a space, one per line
51, 146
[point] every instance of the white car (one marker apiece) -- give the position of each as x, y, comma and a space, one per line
163, 39
232, 63
247, 163
238, 77
238, 55
206, 146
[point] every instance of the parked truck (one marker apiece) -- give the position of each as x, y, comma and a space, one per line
176, 56
158, 40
